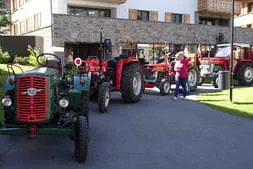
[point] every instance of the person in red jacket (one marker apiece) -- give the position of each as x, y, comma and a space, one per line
181, 76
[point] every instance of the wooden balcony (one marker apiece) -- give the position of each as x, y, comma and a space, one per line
218, 6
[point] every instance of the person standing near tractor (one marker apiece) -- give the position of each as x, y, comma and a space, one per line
69, 56
181, 77
187, 62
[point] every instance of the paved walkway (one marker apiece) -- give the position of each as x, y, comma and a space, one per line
156, 133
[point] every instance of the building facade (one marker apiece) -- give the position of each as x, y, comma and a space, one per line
245, 17
41, 18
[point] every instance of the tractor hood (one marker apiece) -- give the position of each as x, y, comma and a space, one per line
216, 61
155, 67
40, 71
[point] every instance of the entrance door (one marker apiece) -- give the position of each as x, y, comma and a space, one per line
83, 50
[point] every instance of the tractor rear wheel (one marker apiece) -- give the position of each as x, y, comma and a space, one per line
81, 139
165, 87
193, 78
132, 83
245, 74
104, 97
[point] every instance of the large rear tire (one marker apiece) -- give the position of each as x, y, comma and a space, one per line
245, 74
104, 97
81, 139
193, 78
165, 87
132, 83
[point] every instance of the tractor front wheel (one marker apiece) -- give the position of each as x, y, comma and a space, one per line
165, 87
193, 78
132, 83
8, 115
104, 97
81, 139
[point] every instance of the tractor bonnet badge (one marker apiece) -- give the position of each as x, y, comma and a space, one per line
32, 91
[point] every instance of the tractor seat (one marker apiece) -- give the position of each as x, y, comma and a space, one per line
123, 56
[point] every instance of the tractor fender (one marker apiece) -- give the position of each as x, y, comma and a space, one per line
122, 63
119, 70
79, 86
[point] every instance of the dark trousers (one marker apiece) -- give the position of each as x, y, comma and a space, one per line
181, 82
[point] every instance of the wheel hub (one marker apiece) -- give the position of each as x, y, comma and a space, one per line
248, 74
107, 98
137, 83
192, 77
166, 87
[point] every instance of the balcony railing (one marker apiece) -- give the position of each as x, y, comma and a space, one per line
218, 6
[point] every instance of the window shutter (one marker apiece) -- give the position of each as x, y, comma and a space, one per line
187, 18
154, 15
168, 17
133, 14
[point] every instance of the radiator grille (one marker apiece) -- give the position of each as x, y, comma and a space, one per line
32, 103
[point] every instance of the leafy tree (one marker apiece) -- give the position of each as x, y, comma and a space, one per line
3, 20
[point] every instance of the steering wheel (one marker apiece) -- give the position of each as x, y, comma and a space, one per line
46, 61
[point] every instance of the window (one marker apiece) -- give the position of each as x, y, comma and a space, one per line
15, 29
21, 3
14, 5
83, 11
37, 21
223, 22
143, 15
29, 24
177, 18
22, 27
223, 52
250, 7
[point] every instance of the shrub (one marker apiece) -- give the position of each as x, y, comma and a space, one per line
4, 57
21, 60
32, 57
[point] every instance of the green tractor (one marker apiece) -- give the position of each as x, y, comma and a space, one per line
48, 101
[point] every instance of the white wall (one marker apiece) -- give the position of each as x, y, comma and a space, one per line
162, 6
244, 20
34, 7
60, 6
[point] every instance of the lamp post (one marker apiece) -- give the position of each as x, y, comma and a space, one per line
232, 53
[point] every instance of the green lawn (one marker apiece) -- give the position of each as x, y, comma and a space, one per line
3, 76
242, 104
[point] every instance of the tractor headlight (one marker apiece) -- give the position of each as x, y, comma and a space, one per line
64, 102
6, 101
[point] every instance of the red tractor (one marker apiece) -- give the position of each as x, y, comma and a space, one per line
123, 73
162, 74
242, 67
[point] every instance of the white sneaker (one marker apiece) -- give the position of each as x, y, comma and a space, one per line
174, 98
